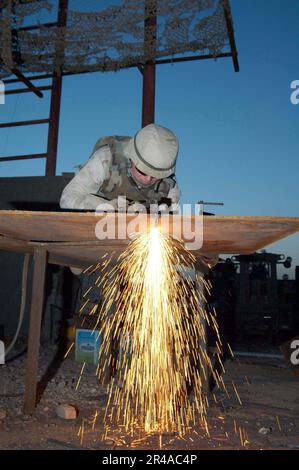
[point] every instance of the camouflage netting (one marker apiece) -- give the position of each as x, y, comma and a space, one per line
109, 38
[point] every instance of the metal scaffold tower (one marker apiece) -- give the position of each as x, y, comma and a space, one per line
92, 36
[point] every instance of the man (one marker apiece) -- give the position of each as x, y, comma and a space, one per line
140, 169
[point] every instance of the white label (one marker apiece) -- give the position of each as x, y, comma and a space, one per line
2, 353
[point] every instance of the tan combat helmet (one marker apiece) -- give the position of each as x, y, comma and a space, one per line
154, 151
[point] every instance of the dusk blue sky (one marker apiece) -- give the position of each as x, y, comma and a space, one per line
238, 132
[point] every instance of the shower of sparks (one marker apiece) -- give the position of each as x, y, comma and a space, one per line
278, 423
80, 376
230, 350
237, 394
152, 325
68, 350
95, 419
241, 437
235, 426
81, 433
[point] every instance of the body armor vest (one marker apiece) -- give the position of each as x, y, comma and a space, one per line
121, 182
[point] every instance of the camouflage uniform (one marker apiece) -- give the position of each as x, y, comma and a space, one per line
107, 175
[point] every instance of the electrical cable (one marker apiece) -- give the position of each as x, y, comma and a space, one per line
23, 302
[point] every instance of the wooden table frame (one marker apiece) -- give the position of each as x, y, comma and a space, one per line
67, 232
43, 253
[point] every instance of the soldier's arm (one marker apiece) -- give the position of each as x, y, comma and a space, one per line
79, 193
174, 195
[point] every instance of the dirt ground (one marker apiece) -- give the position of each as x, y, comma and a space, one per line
268, 417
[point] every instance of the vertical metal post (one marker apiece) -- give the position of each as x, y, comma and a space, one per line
243, 297
230, 32
149, 70
56, 93
37, 303
274, 296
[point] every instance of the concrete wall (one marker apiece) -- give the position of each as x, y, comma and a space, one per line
29, 193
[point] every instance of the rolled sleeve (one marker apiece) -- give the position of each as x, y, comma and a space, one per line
80, 191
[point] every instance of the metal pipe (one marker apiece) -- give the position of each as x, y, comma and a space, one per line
23, 157
26, 90
24, 123
27, 82
33, 27
149, 69
138, 65
257, 355
56, 96
230, 31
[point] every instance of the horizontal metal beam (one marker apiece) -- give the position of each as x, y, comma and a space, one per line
31, 77
26, 90
24, 123
27, 82
23, 157
138, 65
34, 27
194, 57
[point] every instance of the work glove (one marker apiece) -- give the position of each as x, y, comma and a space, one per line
136, 207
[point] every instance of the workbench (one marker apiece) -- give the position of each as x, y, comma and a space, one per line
69, 239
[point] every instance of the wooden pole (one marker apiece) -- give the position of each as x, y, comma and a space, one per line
37, 303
